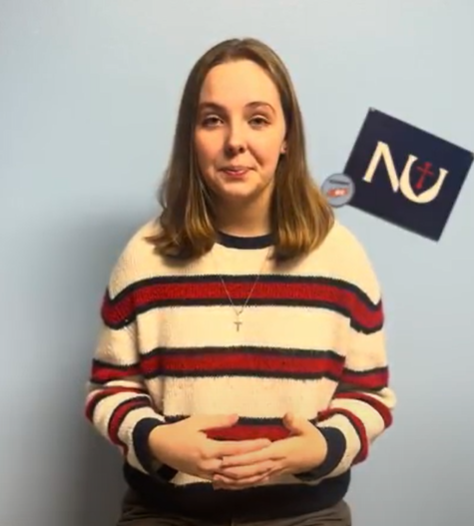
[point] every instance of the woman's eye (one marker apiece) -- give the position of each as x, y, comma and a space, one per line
211, 121
259, 121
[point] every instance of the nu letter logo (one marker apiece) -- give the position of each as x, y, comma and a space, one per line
403, 183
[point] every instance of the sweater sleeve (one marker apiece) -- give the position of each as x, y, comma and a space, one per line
363, 403
117, 402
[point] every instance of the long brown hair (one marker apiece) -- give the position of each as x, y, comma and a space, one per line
300, 215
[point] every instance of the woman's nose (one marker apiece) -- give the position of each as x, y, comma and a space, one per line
235, 142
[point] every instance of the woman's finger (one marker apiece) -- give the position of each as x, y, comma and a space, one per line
245, 472
227, 483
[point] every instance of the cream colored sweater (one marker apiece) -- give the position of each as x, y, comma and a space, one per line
311, 341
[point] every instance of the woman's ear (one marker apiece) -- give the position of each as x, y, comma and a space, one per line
283, 148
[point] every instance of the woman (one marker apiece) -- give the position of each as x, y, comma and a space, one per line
241, 368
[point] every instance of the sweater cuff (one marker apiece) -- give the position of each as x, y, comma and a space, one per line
140, 437
336, 447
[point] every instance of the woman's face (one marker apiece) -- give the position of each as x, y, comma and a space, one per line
240, 132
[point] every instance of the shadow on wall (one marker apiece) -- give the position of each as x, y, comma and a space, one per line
93, 479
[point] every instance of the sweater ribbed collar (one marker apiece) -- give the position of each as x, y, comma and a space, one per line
245, 243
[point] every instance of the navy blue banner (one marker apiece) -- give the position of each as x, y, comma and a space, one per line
405, 175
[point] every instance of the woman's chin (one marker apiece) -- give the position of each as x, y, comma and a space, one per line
236, 192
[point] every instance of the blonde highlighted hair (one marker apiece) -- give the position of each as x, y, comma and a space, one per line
300, 215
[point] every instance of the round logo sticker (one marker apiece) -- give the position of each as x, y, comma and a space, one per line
338, 189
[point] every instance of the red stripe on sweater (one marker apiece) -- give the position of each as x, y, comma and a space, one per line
379, 406
369, 380
358, 426
104, 393
120, 413
341, 298
202, 363
249, 432
104, 372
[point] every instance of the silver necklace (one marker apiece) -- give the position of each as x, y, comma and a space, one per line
238, 311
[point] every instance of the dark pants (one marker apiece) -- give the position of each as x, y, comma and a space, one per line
135, 513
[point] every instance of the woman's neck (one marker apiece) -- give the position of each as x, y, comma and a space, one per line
249, 221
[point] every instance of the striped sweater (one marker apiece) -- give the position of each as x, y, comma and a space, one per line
311, 342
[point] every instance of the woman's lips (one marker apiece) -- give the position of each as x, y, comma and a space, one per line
236, 173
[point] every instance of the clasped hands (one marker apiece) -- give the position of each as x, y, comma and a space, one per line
237, 464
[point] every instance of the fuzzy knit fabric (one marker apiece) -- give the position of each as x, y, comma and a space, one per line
311, 342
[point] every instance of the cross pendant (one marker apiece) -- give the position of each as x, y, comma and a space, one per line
237, 323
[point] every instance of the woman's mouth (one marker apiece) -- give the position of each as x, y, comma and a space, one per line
235, 171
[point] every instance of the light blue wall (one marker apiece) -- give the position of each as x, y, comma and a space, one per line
88, 97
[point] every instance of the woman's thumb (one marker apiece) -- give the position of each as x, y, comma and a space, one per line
293, 424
